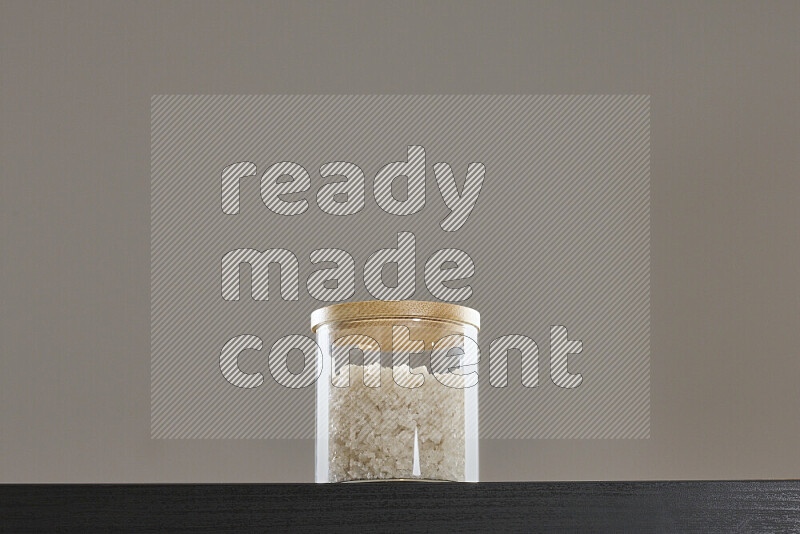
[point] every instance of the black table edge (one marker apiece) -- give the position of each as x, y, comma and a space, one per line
651, 506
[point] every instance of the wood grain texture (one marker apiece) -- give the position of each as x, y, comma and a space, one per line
391, 309
753, 506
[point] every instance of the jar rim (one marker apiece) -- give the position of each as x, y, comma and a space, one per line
384, 309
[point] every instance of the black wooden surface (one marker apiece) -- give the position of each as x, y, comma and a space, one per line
753, 506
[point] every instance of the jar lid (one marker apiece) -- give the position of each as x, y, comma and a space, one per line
403, 309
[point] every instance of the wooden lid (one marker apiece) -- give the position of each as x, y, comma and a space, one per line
387, 309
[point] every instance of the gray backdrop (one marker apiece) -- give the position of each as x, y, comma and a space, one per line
723, 81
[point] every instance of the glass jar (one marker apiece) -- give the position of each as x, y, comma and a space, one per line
397, 397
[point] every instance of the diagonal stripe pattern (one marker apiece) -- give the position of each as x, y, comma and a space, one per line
559, 236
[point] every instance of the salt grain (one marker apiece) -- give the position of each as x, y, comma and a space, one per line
373, 429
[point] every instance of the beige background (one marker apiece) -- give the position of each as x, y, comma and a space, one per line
76, 84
